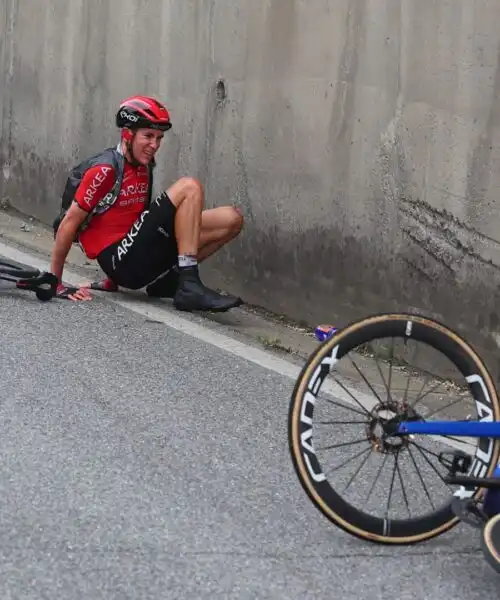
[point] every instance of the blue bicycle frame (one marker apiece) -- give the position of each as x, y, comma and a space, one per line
474, 429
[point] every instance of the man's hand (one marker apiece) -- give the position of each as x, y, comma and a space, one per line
72, 293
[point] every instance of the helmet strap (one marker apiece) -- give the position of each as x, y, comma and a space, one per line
128, 137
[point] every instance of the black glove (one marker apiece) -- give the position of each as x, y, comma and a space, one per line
64, 291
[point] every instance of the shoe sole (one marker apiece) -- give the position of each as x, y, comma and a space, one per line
216, 310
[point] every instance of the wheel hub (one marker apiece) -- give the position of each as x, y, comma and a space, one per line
392, 412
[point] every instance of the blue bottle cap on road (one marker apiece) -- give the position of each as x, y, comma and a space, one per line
323, 332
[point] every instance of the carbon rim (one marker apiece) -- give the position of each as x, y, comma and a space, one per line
305, 401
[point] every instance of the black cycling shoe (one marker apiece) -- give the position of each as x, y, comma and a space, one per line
165, 286
193, 295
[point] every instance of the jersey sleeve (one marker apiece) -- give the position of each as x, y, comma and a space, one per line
96, 183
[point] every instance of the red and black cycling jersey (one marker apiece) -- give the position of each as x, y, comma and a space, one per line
115, 223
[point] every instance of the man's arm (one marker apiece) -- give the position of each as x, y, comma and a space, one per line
65, 237
96, 183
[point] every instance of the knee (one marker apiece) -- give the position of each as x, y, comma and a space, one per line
235, 220
191, 187
186, 189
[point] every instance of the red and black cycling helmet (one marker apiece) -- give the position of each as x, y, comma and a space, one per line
143, 111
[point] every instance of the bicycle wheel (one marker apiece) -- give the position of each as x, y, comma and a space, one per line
490, 542
17, 270
445, 360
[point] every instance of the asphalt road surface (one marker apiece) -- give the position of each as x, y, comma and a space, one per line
140, 461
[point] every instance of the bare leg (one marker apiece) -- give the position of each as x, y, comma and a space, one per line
201, 232
218, 227
215, 228
188, 198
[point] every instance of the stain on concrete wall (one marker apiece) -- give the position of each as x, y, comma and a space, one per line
360, 138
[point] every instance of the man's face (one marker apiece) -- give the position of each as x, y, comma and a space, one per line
146, 144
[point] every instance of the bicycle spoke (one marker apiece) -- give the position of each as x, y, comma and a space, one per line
349, 460
382, 375
389, 381
405, 397
421, 390
363, 407
391, 488
376, 479
352, 409
427, 450
366, 380
420, 477
340, 422
452, 403
421, 450
343, 444
419, 398
458, 440
357, 470
403, 487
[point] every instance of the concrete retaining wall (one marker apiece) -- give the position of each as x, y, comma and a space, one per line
359, 137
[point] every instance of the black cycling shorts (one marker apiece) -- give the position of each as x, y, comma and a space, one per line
147, 251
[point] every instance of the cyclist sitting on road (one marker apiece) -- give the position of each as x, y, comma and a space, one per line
156, 245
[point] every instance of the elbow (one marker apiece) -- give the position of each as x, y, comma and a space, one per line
67, 231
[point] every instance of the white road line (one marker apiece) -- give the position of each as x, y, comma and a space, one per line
172, 319
175, 320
